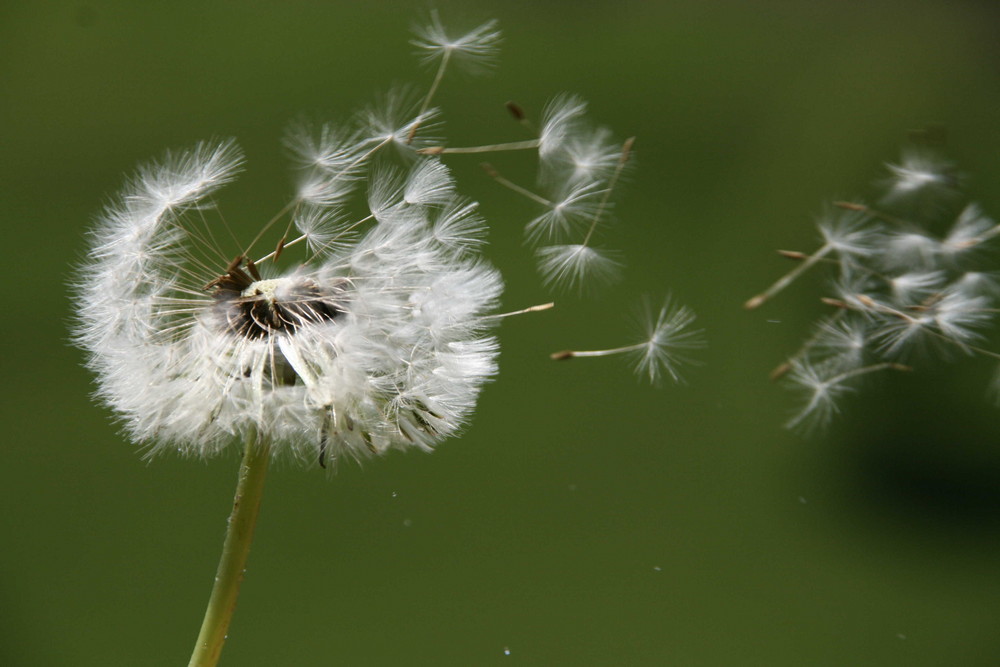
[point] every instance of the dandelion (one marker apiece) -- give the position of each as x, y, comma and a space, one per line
357, 320
365, 346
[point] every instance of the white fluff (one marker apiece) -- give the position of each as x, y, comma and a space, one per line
370, 345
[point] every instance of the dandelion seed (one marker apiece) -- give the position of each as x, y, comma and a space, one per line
843, 232
958, 316
321, 229
978, 283
667, 337
474, 50
843, 342
458, 226
849, 233
970, 231
395, 119
331, 161
429, 184
560, 122
900, 289
589, 157
575, 266
913, 287
919, 170
913, 250
571, 212
822, 387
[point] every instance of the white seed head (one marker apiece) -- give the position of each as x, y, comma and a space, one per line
368, 345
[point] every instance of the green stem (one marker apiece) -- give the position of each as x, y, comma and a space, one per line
235, 550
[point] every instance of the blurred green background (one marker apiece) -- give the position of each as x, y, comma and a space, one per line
583, 518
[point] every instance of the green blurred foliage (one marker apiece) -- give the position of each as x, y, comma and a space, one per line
583, 519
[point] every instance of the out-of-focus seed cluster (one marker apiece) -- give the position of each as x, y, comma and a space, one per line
912, 277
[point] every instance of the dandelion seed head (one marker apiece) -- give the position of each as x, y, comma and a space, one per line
373, 343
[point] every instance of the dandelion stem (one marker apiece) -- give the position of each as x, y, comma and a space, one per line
270, 223
788, 278
430, 95
530, 309
875, 213
569, 354
274, 253
235, 550
490, 148
874, 368
495, 175
626, 153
